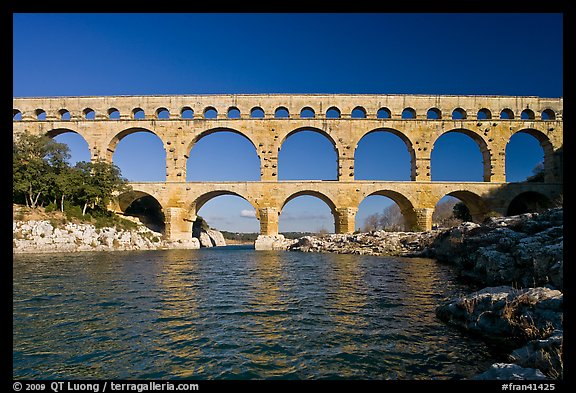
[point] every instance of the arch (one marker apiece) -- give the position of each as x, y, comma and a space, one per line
484, 114
409, 113
143, 158
211, 131
358, 113
333, 113
201, 200
113, 114
527, 114
138, 114
548, 114
210, 112
307, 113
475, 203
186, 112
78, 145
459, 114
233, 113
16, 115
315, 214
506, 114
89, 114
144, 206
434, 114
528, 202
358, 165
383, 113
64, 114
281, 113
404, 204
323, 133
40, 114
544, 142
480, 142
162, 113
237, 159
257, 113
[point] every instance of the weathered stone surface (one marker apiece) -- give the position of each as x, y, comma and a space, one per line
525, 250
216, 237
510, 372
181, 200
274, 242
506, 314
545, 355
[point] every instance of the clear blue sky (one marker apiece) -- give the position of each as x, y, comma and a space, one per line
145, 54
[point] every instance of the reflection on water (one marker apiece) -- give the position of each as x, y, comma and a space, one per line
234, 313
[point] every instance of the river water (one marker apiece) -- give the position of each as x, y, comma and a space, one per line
235, 313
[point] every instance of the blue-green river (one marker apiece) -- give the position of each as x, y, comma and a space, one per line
235, 313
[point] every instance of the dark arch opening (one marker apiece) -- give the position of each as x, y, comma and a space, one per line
64, 114
89, 114
210, 113
16, 115
308, 154
113, 114
548, 114
458, 114
233, 113
149, 211
307, 113
528, 202
40, 114
162, 113
506, 114
138, 113
187, 113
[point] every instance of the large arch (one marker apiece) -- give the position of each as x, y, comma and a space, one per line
545, 144
528, 202
225, 212
152, 164
475, 203
146, 207
326, 135
77, 143
480, 142
251, 165
311, 193
405, 205
407, 142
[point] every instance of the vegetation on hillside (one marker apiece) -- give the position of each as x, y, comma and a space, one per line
42, 177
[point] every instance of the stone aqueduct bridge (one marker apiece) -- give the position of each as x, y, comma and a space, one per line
267, 120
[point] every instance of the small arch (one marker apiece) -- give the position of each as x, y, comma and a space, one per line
138, 114
528, 202
548, 114
434, 114
281, 113
484, 114
40, 114
16, 115
307, 113
113, 114
187, 113
64, 114
257, 113
506, 114
527, 114
89, 114
333, 113
210, 112
358, 113
383, 113
162, 113
408, 113
233, 113
458, 114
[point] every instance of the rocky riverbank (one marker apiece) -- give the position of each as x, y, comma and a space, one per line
51, 233
519, 259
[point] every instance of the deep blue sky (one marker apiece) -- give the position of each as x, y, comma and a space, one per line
144, 54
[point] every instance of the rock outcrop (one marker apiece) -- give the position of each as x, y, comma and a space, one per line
524, 250
42, 237
272, 242
510, 372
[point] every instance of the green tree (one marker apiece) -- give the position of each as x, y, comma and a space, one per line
35, 161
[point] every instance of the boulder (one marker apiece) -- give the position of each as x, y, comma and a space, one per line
510, 372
